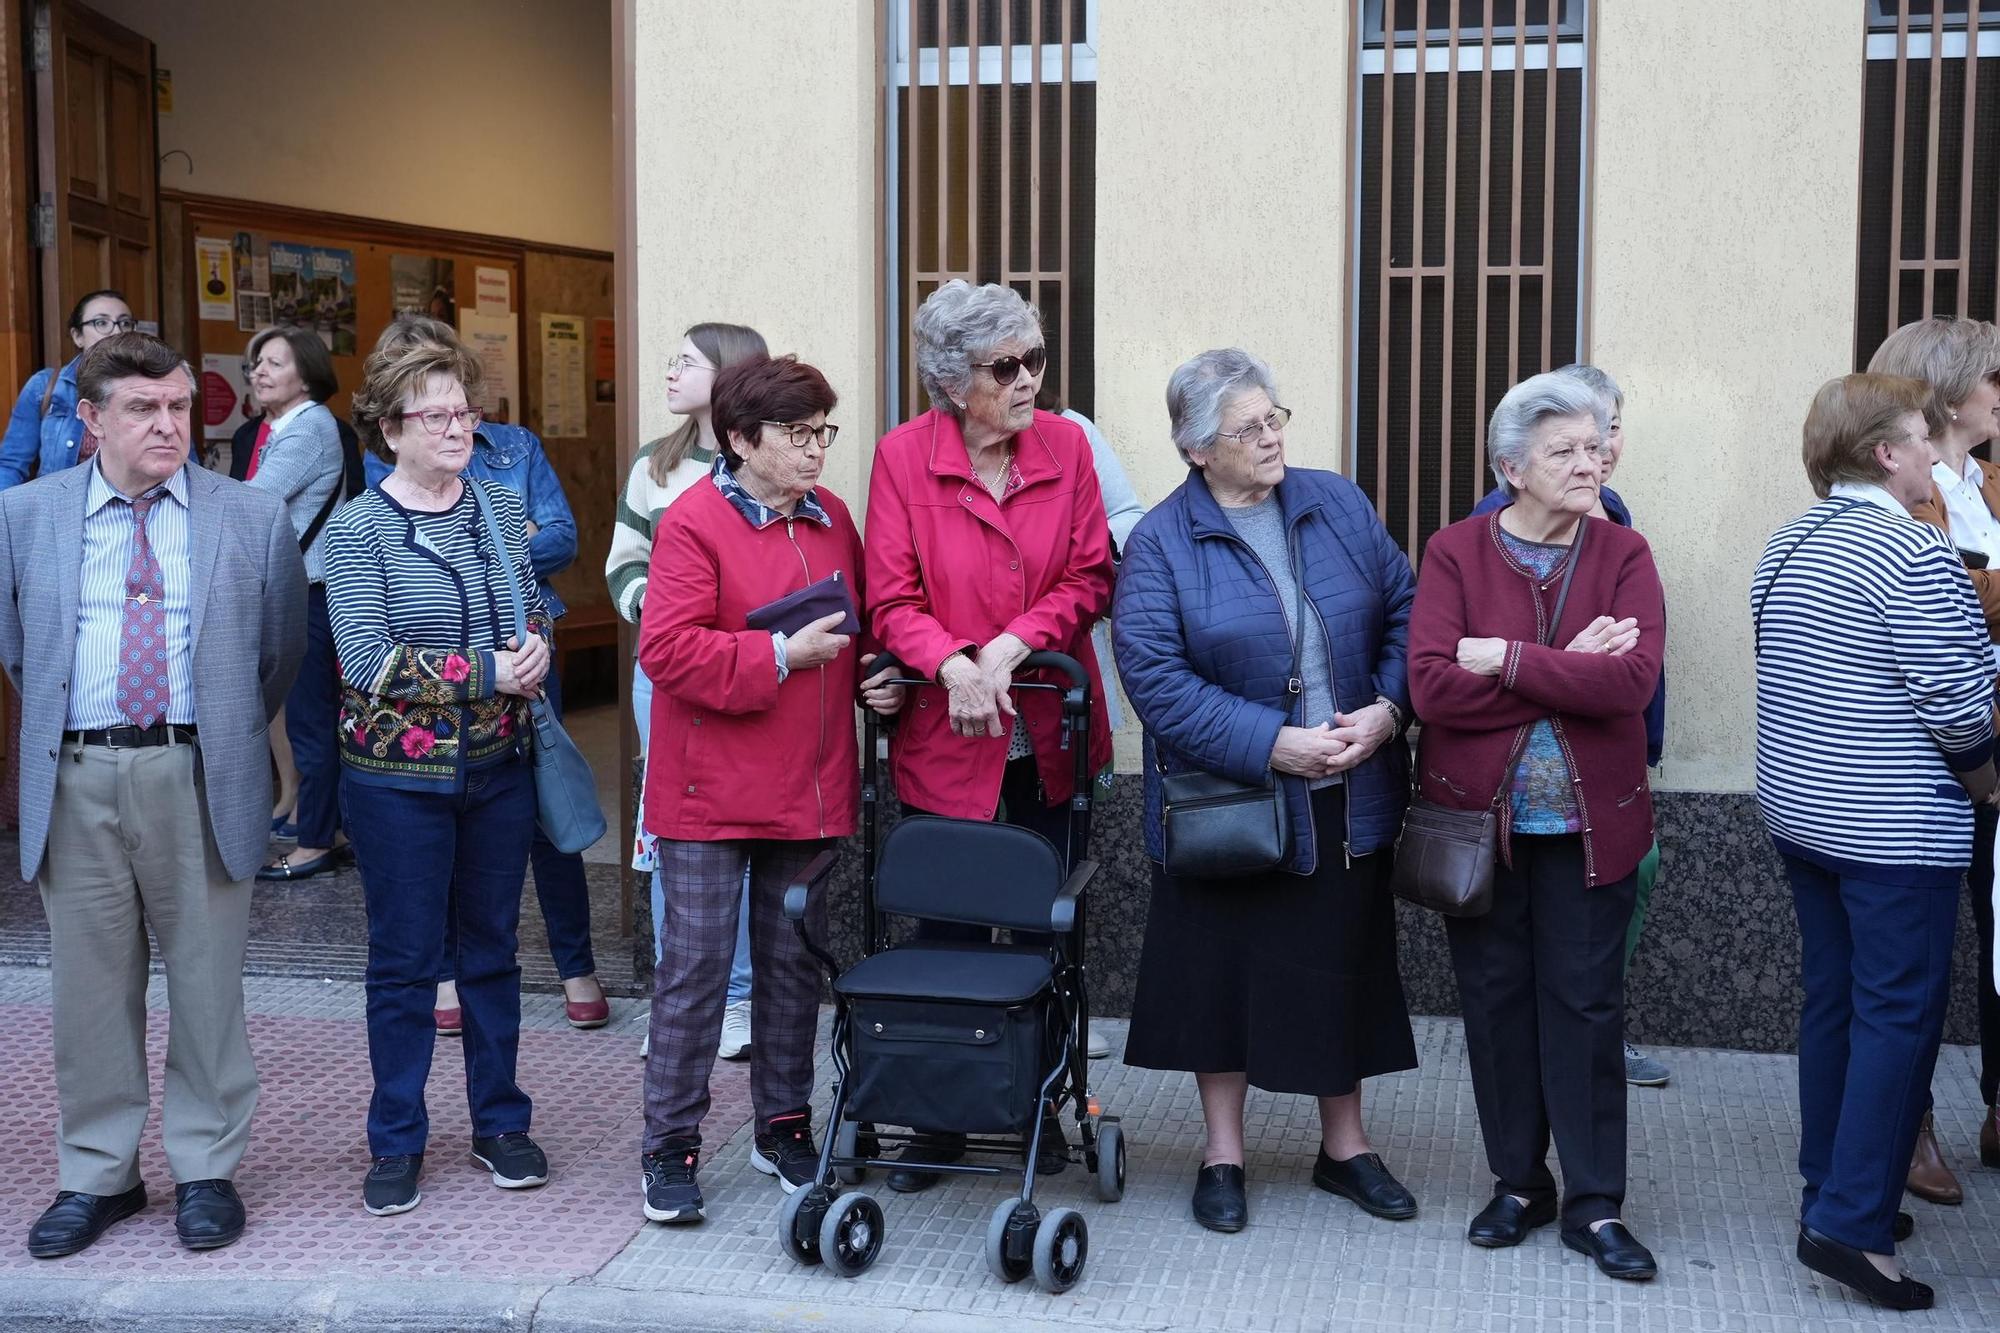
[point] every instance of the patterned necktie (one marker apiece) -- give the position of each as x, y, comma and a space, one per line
142, 636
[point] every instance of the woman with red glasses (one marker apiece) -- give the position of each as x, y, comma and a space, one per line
986, 541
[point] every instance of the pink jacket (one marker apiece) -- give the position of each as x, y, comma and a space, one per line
949, 568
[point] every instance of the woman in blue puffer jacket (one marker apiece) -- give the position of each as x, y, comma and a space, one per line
1286, 980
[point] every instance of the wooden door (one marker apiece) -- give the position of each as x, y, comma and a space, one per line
99, 215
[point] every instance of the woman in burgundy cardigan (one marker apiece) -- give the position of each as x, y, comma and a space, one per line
1554, 739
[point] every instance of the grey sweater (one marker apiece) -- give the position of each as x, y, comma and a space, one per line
1262, 525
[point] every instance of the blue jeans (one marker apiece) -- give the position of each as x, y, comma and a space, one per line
560, 888
1877, 972
739, 968
433, 865
312, 716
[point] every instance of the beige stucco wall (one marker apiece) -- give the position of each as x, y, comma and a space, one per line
1723, 296
755, 182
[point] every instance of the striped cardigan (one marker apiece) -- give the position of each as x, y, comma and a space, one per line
419, 605
640, 505
1874, 685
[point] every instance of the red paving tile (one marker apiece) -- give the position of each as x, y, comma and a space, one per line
301, 1181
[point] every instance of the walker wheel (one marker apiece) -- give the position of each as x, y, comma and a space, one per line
847, 1143
798, 1223
1062, 1244
850, 1235
1110, 1165
1011, 1262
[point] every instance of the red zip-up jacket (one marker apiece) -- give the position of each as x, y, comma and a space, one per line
949, 568
733, 753
1475, 726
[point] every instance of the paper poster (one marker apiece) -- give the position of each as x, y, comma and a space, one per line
253, 262
223, 396
312, 287
495, 290
563, 407
491, 337
427, 286
215, 277
253, 310
604, 360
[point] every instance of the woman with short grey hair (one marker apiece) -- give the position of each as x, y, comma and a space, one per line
986, 541
1259, 625
1553, 741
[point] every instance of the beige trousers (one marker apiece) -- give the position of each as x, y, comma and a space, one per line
129, 847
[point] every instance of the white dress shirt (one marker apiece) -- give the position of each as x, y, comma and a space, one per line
1972, 525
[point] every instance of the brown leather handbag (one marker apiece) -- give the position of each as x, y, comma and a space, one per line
1444, 856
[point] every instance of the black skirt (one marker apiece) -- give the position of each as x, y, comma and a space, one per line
1291, 979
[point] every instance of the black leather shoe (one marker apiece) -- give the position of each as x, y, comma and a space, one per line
207, 1214
1616, 1250
1366, 1182
1850, 1267
1052, 1158
74, 1220
910, 1178
1507, 1221
1903, 1228
1219, 1202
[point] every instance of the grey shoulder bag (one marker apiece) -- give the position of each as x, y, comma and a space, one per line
1214, 827
565, 792
1444, 856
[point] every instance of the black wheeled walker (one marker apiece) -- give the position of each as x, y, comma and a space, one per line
962, 1038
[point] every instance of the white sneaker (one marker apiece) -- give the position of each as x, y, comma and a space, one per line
1095, 1046
646, 1044
736, 1031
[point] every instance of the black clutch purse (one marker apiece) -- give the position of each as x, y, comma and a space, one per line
818, 599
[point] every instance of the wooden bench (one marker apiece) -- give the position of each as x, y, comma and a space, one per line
584, 628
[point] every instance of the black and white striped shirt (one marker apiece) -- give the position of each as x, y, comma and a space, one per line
1874, 684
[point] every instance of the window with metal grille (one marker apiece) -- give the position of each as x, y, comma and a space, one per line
1929, 239
994, 180
1468, 240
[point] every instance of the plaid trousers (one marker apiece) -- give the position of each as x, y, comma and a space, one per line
703, 883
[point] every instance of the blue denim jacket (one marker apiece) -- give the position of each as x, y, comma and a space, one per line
32, 438
512, 456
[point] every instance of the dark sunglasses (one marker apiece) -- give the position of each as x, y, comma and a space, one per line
1006, 368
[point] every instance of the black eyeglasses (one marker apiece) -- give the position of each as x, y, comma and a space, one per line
1008, 368
798, 434
106, 324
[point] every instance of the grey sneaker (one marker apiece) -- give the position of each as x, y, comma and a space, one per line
1642, 1070
1094, 1043
736, 1032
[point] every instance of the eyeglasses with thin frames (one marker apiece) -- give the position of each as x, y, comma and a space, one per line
1254, 432
437, 420
681, 361
799, 434
1007, 369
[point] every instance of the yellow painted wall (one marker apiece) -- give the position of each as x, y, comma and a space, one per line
1724, 257
755, 179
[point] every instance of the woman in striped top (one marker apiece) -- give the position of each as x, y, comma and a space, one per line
439, 801
1874, 738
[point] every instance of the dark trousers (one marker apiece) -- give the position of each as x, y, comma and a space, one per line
560, 888
312, 716
1542, 980
1876, 960
1979, 884
433, 862
702, 888
1021, 804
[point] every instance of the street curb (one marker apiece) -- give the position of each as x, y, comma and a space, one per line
83, 1305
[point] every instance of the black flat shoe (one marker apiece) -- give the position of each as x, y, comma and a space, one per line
1904, 1227
1366, 1182
1507, 1221
75, 1220
285, 868
207, 1214
1219, 1202
910, 1178
1850, 1267
1617, 1251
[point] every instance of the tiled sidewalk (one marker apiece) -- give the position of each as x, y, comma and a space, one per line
1712, 1190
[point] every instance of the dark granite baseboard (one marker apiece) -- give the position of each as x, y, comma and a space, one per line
1718, 964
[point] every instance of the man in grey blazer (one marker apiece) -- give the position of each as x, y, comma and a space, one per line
152, 615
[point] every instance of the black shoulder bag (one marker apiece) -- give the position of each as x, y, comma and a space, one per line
1444, 856
1217, 828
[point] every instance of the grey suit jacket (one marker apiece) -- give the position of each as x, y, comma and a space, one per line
248, 589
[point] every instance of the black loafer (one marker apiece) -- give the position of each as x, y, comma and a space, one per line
1507, 1221
1219, 1202
1904, 1227
1368, 1183
1052, 1158
910, 1178
1850, 1267
74, 1220
1616, 1251
207, 1214
326, 863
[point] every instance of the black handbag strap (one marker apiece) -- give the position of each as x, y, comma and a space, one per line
1757, 609
1562, 593
319, 520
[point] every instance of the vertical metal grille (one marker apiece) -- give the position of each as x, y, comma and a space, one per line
992, 145
1929, 237
1468, 236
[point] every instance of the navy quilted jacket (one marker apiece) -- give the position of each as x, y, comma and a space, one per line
1204, 649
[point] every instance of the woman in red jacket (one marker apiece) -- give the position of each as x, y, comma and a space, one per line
1553, 739
753, 761
986, 541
